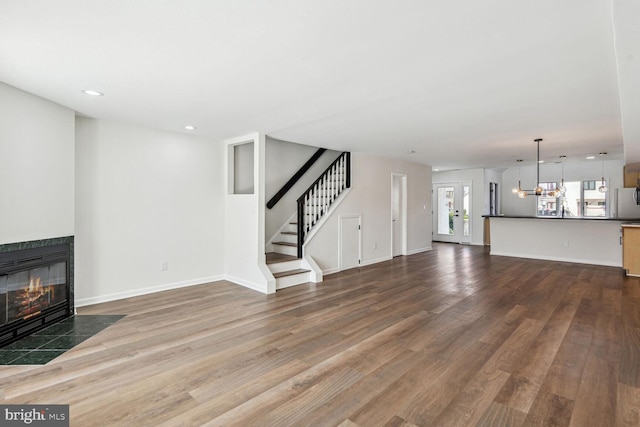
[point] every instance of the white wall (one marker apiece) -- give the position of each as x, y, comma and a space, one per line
244, 221
477, 179
370, 197
37, 167
573, 171
283, 159
144, 197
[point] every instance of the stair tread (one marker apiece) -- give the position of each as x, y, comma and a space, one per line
290, 272
275, 257
286, 244
293, 233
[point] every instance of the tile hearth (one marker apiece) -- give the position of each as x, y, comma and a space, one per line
49, 343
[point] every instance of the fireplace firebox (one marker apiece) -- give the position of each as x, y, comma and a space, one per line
36, 282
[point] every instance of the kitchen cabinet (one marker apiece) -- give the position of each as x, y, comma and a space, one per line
631, 249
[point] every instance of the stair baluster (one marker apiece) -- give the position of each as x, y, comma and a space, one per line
316, 201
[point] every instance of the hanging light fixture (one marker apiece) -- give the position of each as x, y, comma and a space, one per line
603, 187
561, 189
516, 190
538, 190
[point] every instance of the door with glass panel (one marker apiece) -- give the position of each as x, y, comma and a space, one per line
451, 212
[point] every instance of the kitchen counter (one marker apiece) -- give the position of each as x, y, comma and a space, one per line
568, 218
582, 240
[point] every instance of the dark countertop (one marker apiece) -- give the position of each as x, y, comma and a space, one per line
567, 218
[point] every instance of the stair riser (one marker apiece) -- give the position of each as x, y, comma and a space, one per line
279, 267
287, 250
292, 228
296, 279
289, 238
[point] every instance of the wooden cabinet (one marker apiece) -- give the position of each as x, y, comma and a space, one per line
487, 232
631, 249
631, 175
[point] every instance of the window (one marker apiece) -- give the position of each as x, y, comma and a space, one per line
594, 202
465, 210
548, 205
582, 199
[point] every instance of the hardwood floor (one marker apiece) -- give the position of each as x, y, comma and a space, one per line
451, 337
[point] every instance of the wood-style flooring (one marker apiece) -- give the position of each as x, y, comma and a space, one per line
450, 337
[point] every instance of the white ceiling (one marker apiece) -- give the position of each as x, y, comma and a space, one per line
464, 84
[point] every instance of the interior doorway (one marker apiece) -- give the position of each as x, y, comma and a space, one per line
350, 241
398, 214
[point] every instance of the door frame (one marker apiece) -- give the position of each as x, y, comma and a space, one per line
403, 212
459, 205
340, 218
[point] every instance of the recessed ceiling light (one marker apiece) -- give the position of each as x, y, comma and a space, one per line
92, 92
190, 127
591, 157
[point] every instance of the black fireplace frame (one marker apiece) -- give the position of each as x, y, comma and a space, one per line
25, 255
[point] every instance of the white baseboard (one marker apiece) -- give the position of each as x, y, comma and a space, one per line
417, 251
144, 291
560, 259
328, 271
375, 261
238, 281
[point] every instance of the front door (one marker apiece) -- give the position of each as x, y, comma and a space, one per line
447, 213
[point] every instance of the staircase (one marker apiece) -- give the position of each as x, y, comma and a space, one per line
286, 262
286, 267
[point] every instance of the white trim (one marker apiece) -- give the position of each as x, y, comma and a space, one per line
328, 271
560, 259
145, 291
316, 275
419, 250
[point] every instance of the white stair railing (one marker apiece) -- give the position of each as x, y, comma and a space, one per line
315, 202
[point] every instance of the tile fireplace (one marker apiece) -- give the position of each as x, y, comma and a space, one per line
36, 286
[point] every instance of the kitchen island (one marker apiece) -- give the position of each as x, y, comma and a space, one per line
583, 240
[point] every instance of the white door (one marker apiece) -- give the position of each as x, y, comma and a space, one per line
447, 212
398, 215
349, 241
452, 212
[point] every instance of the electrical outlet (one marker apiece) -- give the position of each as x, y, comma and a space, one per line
164, 265
375, 245
565, 243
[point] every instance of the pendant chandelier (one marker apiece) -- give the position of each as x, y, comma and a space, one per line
603, 187
536, 191
559, 191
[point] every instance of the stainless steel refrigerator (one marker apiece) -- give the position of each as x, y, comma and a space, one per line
625, 205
